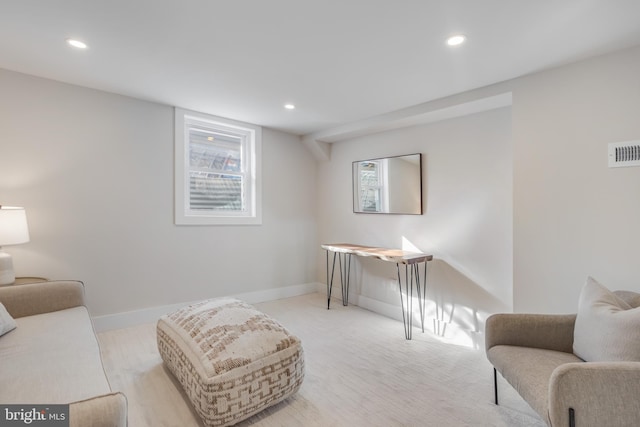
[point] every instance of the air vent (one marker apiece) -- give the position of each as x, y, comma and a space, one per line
623, 154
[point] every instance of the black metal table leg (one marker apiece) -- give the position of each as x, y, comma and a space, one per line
407, 312
345, 276
330, 281
422, 296
344, 264
411, 278
404, 317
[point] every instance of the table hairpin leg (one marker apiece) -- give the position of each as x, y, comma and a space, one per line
411, 276
422, 297
330, 281
344, 276
407, 318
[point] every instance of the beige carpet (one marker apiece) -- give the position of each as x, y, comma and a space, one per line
360, 371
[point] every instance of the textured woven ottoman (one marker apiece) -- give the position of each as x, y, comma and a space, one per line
232, 360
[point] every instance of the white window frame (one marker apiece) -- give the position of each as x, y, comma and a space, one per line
382, 187
251, 136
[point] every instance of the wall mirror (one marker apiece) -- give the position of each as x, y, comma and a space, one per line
390, 185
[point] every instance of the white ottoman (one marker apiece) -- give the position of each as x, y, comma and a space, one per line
231, 360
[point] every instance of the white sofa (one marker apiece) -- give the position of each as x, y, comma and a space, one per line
53, 357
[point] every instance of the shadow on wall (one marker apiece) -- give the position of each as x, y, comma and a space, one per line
456, 307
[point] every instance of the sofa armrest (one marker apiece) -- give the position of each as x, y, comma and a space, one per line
43, 297
109, 410
546, 331
600, 393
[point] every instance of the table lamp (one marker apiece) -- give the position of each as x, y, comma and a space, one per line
13, 231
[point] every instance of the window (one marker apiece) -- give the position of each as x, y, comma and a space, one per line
217, 165
371, 182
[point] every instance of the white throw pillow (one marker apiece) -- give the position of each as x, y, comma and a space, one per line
6, 321
607, 328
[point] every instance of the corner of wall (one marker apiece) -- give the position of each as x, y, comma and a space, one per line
320, 149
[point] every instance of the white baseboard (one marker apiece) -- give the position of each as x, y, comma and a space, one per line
151, 314
384, 308
278, 293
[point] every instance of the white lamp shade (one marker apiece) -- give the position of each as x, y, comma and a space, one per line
13, 226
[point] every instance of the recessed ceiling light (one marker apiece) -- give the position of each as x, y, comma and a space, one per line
209, 138
289, 106
77, 43
456, 40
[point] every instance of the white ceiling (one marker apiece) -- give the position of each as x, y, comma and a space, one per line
338, 61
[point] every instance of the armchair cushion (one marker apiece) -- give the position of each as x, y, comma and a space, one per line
528, 370
51, 358
607, 328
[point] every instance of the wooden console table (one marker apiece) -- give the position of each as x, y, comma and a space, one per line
411, 261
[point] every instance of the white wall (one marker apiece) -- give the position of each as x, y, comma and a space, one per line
574, 216
95, 173
467, 224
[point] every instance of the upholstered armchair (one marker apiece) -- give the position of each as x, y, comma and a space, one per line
544, 358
